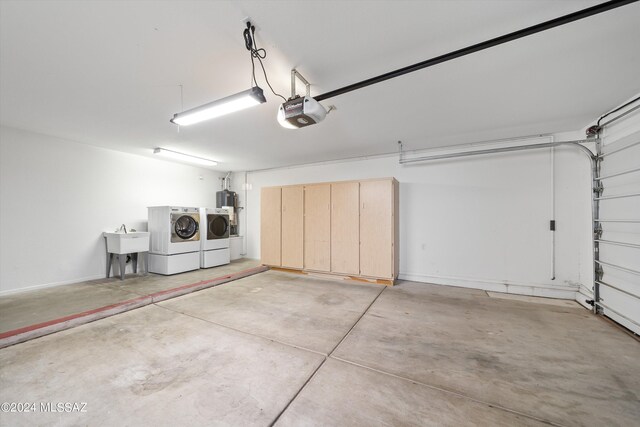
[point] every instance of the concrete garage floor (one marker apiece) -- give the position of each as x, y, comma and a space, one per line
40, 305
293, 350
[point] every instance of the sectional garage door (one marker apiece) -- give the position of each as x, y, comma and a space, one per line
617, 228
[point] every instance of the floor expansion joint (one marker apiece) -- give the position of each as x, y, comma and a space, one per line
444, 390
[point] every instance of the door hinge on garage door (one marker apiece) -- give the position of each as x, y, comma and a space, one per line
599, 272
598, 189
597, 231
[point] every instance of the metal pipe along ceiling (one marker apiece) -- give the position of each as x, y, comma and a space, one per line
503, 150
562, 20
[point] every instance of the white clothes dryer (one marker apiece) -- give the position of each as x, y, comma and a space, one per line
174, 239
214, 242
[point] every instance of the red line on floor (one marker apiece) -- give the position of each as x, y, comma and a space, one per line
67, 318
178, 291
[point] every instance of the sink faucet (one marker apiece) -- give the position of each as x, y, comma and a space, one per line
123, 227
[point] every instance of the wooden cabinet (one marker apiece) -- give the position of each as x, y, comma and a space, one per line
377, 246
317, 227
345, 228
293, 227
270, 225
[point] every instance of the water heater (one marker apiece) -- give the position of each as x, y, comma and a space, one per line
226, 198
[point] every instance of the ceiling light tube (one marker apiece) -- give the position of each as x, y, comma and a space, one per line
184, 157
230, 104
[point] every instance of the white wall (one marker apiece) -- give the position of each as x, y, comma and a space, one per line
57, 197
477, 221
574, 246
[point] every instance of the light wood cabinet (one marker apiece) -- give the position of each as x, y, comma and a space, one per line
377, 228
345, 228
270, 225
317, 227
293, 226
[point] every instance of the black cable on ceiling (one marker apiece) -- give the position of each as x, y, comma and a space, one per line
249, 35
575, 16
617, 109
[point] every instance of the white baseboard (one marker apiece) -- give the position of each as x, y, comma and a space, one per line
50, 285
536, 290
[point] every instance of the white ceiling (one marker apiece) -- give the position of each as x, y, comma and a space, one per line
107, 73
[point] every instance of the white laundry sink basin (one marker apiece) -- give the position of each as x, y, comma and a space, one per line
127, 243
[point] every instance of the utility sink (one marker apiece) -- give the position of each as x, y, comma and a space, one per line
127, 243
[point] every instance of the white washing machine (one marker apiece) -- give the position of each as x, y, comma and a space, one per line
214, 241
174, 239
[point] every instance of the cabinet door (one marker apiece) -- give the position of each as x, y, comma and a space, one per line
376, 228
292, 226
270, 225
317, 227
345, 228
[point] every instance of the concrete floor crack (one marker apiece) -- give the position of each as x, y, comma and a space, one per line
243, 332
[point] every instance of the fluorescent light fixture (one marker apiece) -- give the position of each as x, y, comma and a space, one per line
230, 104
184, 157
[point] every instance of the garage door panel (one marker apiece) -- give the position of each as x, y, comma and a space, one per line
622, 161
626, 208
618, 297
621, 236
620, 278
620, 306
623, 280
619, 253
624, 229
619, 285
621, 188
